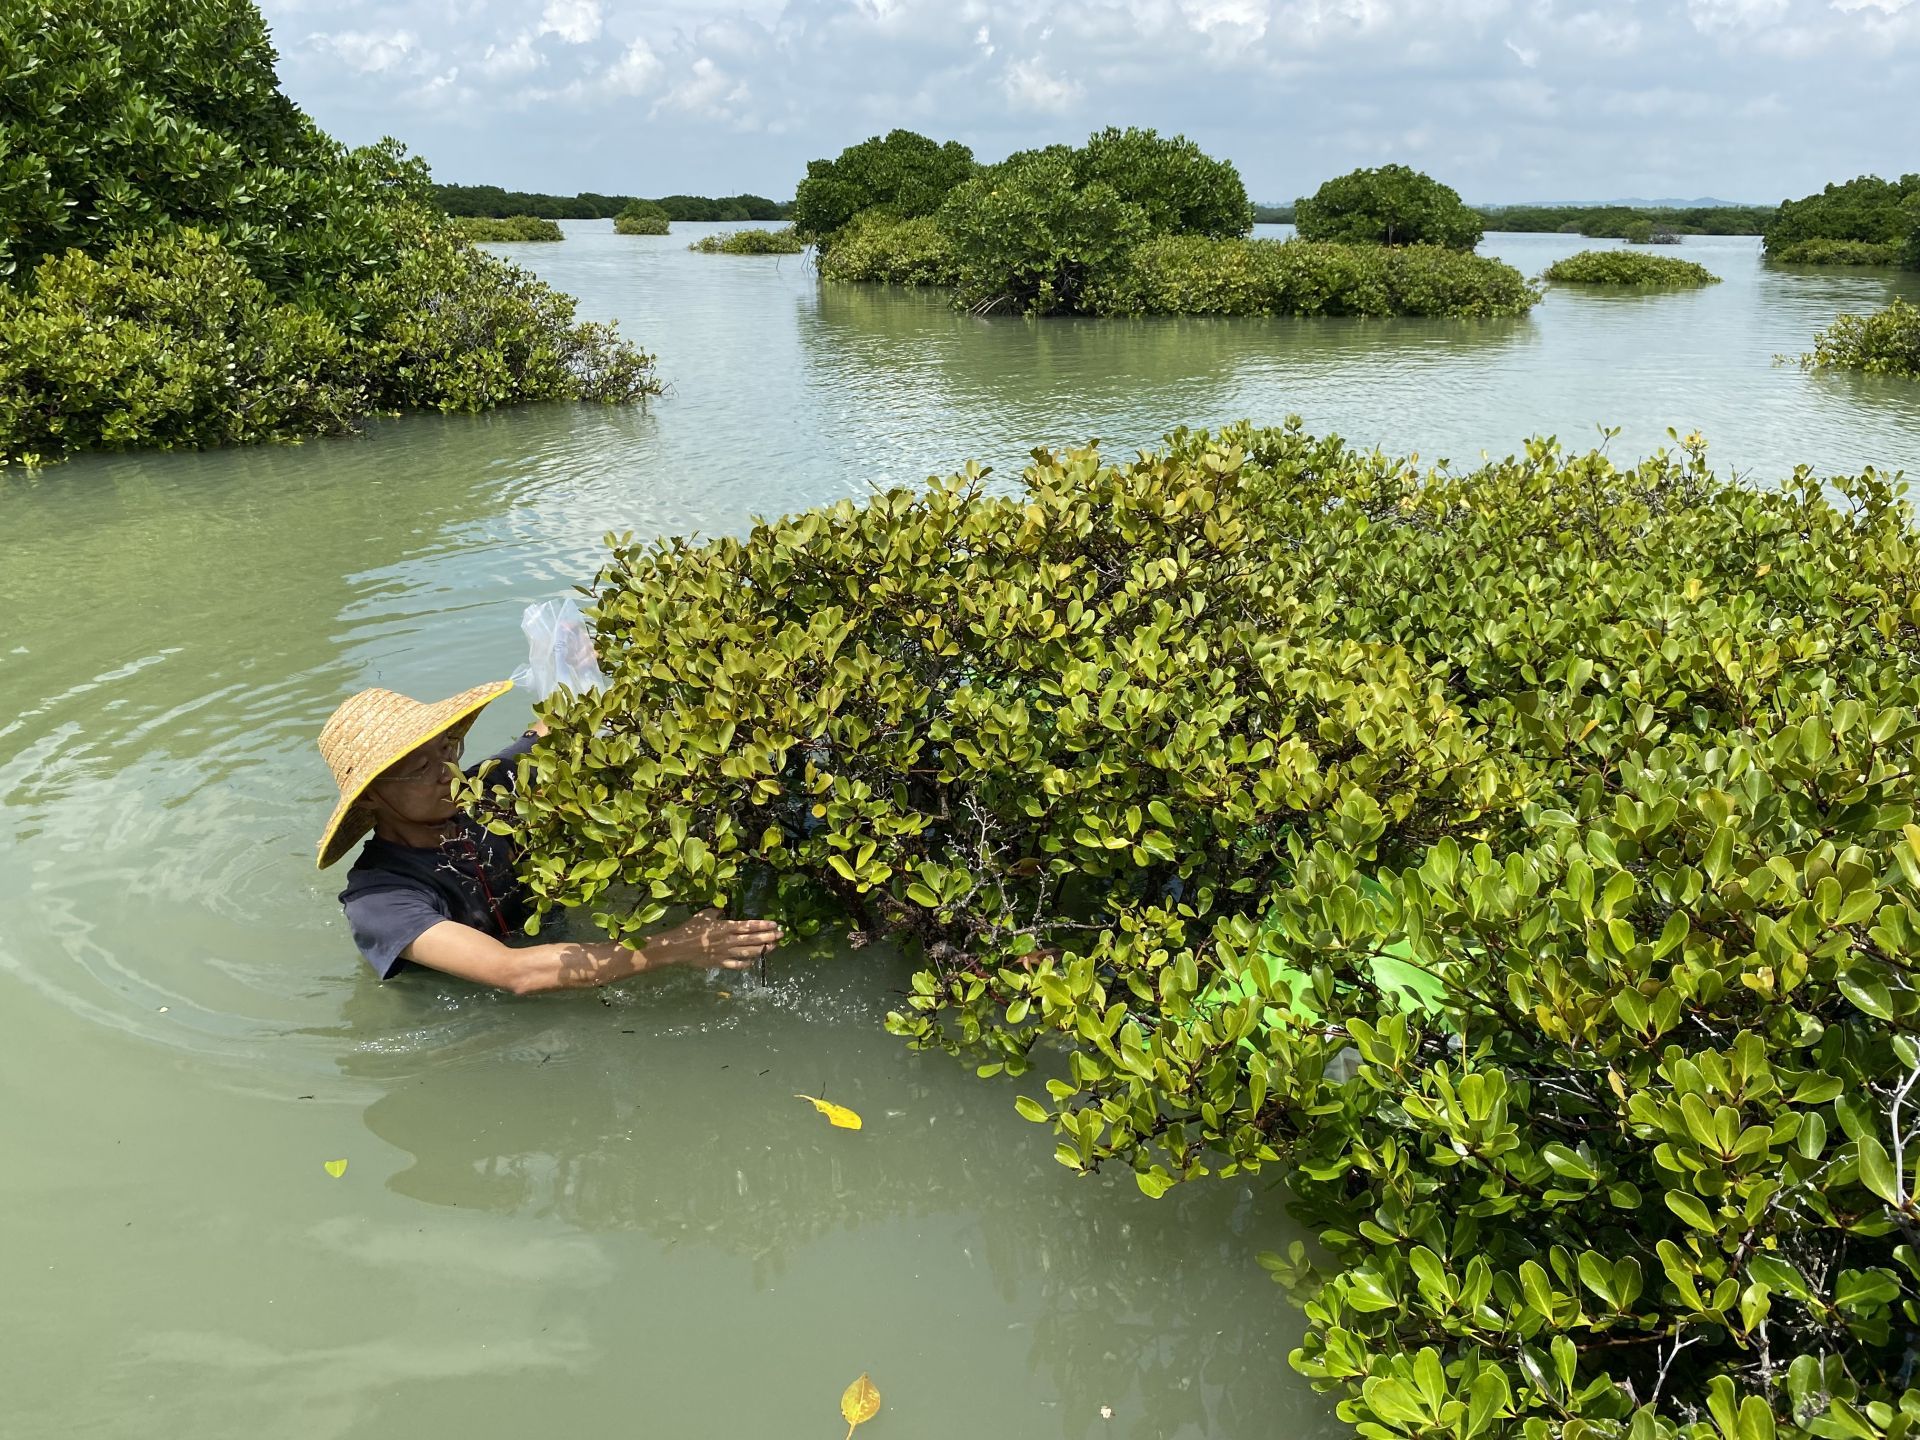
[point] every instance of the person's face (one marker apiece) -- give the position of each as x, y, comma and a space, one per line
419, 787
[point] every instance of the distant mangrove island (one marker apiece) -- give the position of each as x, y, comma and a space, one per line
290, 286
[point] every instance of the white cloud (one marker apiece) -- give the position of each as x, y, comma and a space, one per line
516, 57
704, 89
1598, 34
574, 21
1030, 86
371, 52
1249, 17
1496, 97
635, 71
1736, 14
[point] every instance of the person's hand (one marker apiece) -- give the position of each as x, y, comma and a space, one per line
710, 941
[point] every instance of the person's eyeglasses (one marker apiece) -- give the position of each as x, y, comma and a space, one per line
432, 764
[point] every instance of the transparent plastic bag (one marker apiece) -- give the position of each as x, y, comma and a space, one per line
559, 650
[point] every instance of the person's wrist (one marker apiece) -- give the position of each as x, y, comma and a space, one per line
648, 955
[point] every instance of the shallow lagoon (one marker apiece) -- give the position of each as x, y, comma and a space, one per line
609, 1213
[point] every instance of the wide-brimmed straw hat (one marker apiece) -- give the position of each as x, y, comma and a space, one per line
372, 730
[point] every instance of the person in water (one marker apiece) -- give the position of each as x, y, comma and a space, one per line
434, 887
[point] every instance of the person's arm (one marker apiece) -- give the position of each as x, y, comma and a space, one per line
709, 941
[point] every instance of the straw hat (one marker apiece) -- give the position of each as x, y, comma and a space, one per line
372, 730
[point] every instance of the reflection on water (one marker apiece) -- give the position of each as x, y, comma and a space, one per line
615, 1212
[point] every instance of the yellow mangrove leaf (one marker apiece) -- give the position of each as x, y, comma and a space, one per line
861, 1401
336, 1168
841, 1117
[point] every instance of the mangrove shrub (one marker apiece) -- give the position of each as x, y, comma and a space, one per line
1836, 252
484, 230
1192, 275
1390, 205
901, 173
880, 249
1868, 209
784, 241
1029, 235
164, 340
151, 137
1626, 267
447, 328
1886, 342
642, 217
1523, 860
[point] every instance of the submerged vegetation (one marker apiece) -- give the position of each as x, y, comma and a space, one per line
482, 230
224, 271
1868, 211
1627, 267
784, 241
1521, 858
1884, 343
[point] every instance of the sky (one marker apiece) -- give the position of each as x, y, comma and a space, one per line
1506, 100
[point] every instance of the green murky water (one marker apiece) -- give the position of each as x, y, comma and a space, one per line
607, 1214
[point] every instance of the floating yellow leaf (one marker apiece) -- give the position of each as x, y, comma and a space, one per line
336, 1168
861, 1402
841, 1117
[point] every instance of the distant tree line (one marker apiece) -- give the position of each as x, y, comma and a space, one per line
494, 202
1273, 214
1619, 222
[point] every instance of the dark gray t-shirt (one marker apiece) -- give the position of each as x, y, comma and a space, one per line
396, 893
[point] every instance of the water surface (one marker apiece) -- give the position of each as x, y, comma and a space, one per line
608, 1212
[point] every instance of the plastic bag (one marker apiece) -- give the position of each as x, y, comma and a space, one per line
559, 650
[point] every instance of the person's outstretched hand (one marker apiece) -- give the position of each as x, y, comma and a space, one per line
710, 941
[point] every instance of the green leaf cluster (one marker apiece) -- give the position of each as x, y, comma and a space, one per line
1180, 188
1192, 275
1388, 205
1886, 342
784, 241
879, 249
1523, 860
483, 230
1867, 209
1627, 267
160, 197
902, 174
